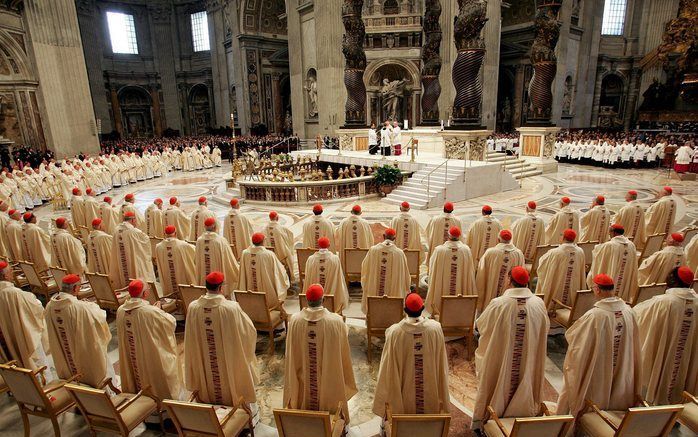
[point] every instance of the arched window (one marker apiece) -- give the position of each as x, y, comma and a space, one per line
613, 17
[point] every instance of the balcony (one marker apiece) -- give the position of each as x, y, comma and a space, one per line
393, 23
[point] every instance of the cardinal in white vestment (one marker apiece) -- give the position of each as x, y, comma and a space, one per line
451, 271
566, 218
528, 232
67, 251
147, 346
13, 230
668, 330
384, 271
22, 327
219, 348
154, 220
409, 233
655, 268
90, 206
237, 229
35, 243
511, 355
109, 215
324, 268
561, 271
198, 217
437, 229
4, 220
99, 249
494, 268
618, 259
78, 334
316, 227
691, 253
280, 238
661, 214
596, 221
318, 373
261, 271
176, 261
214, 254
130, 206
174, 216
131, 254
603, 361
354, 232
632, 217
77, 208
413, 373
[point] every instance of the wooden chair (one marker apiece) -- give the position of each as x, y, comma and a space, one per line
413, 264
265, 319
59, 273
423, 425
689, 233
302, 255
83, 232
583, 301
647, 292
189, 293
457, 318
107, 297
327, 302
353, 259
545, 425
36, 398
653, 244
540, 251
642, 421
588, 249
304, 423
41, 283
194, 418
118, 414
689, 415
695, 285
383, 312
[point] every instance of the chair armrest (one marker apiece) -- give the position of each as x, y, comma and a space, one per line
689, 397
61, 384
544, 409
15, 363
40, 373
596, 410
557, 302
121, 290
493, 415
229, 415
173, 295
641, 402
194, 397
108, 382
128, 402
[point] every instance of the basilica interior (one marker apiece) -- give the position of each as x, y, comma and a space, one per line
419, 107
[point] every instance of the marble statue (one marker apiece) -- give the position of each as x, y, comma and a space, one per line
392, 93
311, 89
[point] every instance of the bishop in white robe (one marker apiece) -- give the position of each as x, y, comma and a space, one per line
176, 261
154, 220
237, 229
561, 272
655, 268
409, 233
661, 214
632, 217
35, 243
13, 230
198, 217
494, 268
261, 271
99, 249
131, 254
174, 216
437, 229
109, 215
618, 259
354, 232
384, 271
565, 218
596, 221
691, 253
528, 232
317, 227
324, 268
213, 253
67, 251
280, 239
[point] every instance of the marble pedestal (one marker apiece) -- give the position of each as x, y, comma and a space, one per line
536, 146
470, 145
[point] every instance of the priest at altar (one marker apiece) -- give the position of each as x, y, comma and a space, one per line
528, 232
511, 355
261, 271
437, 229
154, 220
565, 218
131, 254
280, 238
35, 243
661, 214
22, 324
214, 254
99, 248
451, 271
482, 234
409, 233
237, 229
596, 221
384, 271
318, 372
413, 373
147, 346
316, 227
668, 334
618, 259
176, 262
219, 348
494, 268
354, 232
632, 217
198, 217
67, 251
655, 268
324, 268
174, 216
603, 362
78, 334
561, 271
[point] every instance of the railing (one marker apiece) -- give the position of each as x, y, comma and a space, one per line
428, 177
411, 20
308, 191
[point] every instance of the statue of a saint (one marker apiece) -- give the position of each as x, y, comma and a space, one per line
311, 88
392, 93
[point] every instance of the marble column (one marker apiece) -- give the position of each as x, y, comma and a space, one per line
490, 68
161, 19
587, 63
558, 87
634, 91
116, 110
278, 103
236, 67
219, 64
157, 114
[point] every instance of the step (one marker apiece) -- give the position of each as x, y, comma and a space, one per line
417, 204
528, 174
409, 194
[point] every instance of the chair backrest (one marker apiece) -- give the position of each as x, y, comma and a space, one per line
689, 233
588, 249
189, 293
153, 292
458, 312
327, 302
540, 251
383, 311
423, 425
93, 402
301, 423
102, 288
302, 254
584, 300
551, 426
23, 385
254, 304
695, 285
353, 259
31, 274
58, 273
412, 262
647, 292
649, 421
653, 244
193, 418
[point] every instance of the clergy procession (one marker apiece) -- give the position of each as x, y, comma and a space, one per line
621, 287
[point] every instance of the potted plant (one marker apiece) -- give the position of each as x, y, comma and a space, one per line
387, 178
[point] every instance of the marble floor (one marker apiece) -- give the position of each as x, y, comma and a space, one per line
580, 183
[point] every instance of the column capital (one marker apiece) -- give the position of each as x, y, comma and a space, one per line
160, 12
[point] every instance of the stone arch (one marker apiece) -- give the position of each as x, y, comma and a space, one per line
612, 99
393, 69
14, 64
414, 83
136, 111
199, 109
